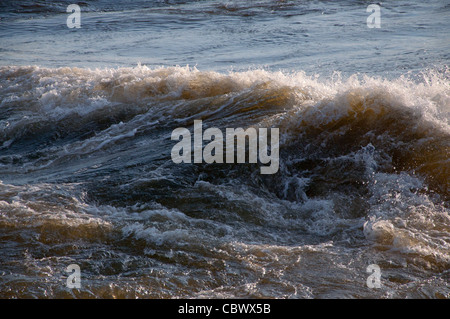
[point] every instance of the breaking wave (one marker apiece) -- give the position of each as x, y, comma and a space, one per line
364, 175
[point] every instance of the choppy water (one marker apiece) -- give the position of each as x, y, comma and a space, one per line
86, 175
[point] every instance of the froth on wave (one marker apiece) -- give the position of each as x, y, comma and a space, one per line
407, 120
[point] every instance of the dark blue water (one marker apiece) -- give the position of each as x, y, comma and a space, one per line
313, 36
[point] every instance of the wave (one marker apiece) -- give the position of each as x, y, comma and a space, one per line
405, 121
85, 155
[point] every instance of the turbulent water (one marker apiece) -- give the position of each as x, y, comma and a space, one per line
86, 175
